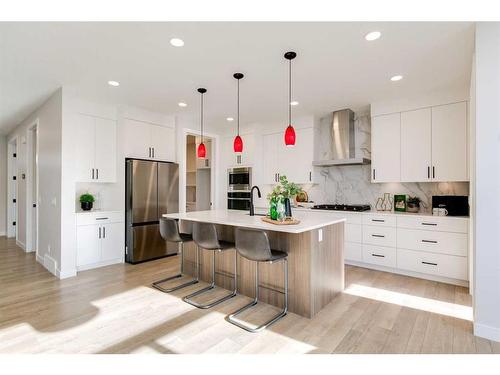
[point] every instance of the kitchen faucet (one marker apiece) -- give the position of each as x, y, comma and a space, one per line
252, 208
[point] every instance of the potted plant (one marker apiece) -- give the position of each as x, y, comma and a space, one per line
86, 201
282, 193
413, 204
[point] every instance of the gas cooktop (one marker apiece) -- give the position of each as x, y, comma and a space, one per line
342, 207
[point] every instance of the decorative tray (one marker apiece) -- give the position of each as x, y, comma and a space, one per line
288, 221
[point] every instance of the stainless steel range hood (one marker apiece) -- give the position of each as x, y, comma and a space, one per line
341, 142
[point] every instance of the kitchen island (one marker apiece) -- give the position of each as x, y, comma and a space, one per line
315, 250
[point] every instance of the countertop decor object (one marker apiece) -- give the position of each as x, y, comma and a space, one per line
86, 201
384, 203
287, 221
400, 202
413, 204
283, 192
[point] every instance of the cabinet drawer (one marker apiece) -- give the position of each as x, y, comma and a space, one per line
434, 223
435, 264
353, 251
103, 217
382, 256
379, 220
378, 235
435, 242
353, 233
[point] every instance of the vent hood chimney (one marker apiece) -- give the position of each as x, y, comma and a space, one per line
341, 142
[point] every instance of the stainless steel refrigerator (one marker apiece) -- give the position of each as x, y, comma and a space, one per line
151, 189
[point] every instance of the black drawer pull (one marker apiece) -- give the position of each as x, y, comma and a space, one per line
101, 218
430, 264
433, 224
378, 235
429, 241
379, 220
378, 255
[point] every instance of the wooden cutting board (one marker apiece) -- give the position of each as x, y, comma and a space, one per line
288, 221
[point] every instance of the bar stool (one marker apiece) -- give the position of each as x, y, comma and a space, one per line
169, 230
205, 237
254, 245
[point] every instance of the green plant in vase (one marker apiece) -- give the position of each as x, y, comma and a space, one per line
281, 194
86, 201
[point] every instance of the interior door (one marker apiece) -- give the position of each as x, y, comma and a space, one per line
386, 142
416, 145
144, 191
105, 150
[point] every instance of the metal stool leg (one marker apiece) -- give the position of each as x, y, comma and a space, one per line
156, 284
231, 318
188, 298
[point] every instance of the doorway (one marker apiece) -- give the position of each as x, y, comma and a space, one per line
12, 188
32, 190
198, 174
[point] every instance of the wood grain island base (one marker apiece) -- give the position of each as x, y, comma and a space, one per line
315, 260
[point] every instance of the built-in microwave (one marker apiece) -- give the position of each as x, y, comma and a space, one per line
239, 179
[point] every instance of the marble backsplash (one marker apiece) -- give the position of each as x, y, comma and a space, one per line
352, 185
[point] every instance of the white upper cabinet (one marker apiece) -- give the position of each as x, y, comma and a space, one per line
95, 149
386, 143
449, 142
230, 158
416, 160
271, 144
144, 140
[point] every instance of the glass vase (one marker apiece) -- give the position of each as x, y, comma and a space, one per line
280, 208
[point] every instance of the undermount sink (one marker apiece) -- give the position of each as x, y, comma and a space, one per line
258, 214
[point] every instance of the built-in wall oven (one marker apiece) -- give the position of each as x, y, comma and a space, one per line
239, 183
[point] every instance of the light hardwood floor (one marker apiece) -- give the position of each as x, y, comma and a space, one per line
114, 310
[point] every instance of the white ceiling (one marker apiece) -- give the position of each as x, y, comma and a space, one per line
335, 67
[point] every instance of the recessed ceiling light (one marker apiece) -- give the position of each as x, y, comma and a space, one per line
113, 83
230, 119
396, 78
182, 104
176, 42
374, 35
294, 103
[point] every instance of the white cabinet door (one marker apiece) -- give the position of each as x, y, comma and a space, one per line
449, 142
112, 242
88, 245
299, 165
85, 147
247, 156
386, 141
137, 139
272, 147
105, 150
416, 145
163, 142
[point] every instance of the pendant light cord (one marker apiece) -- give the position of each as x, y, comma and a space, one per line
290, 93
238, 107
202, 118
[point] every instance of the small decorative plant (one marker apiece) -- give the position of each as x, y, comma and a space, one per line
282, 193
413, 204
86, 201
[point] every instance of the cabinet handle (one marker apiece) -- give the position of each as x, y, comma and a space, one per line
431, 224
378, 235
101, 218
310, 176
429, 241
153, 151
378, 255
374, 174
103, 232
433, 172
149, 152
99, 232
430, 263
379, 220
97, 173
92, 173
238, 159
428, 172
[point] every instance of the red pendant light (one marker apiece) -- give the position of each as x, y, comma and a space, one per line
290, 131
238, 142
202, 151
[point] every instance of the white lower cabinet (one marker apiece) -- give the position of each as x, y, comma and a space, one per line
100, 239
379, 255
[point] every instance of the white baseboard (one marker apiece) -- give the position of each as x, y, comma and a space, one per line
2, 234
65, 273
21, 245
99, 264
487, 332
39, 259
50, 264
418, 275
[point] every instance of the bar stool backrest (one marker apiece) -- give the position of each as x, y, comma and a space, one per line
205, 236
253, 244
169, 230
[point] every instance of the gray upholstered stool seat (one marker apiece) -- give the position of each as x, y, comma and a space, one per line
254, 245
205, 236
169, 230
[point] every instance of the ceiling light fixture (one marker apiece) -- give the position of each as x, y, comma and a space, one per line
396, 78
182, 104
114, 83
230, 119
294, 103
290, 131
176, 42
238, 142
202, 151
374, 35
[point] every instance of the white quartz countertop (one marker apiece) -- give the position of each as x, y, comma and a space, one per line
243, 219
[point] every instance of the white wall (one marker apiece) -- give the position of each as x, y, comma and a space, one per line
49, 164
3, 185
487, 187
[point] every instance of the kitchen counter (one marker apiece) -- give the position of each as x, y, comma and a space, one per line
315, 249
